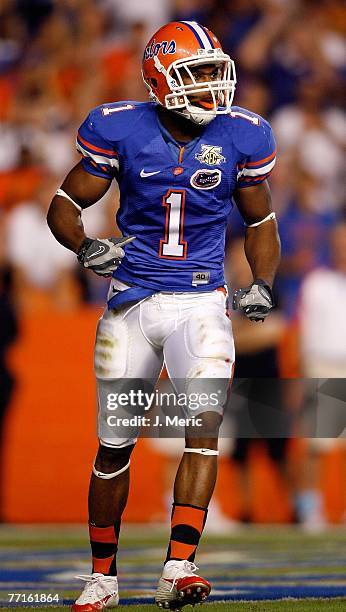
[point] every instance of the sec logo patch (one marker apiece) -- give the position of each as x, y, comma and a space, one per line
206, 179
210, 155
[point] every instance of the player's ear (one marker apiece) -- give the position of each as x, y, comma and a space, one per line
153, 83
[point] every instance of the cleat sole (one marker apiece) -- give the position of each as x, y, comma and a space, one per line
194, 595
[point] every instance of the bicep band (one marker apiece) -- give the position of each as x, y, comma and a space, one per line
63, 194
271, 216
201, 451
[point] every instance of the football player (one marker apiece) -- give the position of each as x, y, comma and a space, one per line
180, 160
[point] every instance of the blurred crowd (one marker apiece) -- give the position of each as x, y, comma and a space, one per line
60, 58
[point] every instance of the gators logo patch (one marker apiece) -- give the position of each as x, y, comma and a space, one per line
206, 179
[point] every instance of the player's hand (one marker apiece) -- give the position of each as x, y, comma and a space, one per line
255, 301
102, 255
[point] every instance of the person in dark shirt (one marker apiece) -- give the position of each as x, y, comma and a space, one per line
8, 333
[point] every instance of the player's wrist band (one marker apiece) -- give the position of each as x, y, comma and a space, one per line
83, 249
260, 281
271, 216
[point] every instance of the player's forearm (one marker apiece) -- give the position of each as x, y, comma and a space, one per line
262, 248
65, 223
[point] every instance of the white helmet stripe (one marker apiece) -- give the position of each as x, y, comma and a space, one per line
200, 33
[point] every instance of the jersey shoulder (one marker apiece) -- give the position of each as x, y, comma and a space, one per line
250, 132
118, 120
100, 136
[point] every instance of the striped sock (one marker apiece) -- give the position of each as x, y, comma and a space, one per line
187, 524
104, 548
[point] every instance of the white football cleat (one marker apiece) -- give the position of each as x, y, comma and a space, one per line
99, 593
180, 586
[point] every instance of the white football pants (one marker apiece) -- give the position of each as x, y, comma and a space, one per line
189, 332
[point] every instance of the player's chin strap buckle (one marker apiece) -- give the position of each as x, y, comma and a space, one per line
112, 475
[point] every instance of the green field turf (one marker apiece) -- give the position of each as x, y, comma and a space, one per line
309, 605
252, 564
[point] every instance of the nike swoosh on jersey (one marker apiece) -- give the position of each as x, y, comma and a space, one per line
144, 174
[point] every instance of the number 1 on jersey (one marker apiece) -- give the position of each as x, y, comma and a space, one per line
173, 246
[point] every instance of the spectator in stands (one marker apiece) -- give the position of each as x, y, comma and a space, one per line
120, 61
43, 270
194, 10
256, 359
21, 180
256, 345
312, 133
321, 318
321, 313
304, 238
282, 48
154, 14
8, 334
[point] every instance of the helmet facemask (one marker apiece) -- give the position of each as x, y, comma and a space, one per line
220, 91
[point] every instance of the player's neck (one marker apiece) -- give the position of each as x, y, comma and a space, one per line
180, 128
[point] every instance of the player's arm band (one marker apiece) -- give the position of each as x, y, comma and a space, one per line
63, 194
201, 451
271, 216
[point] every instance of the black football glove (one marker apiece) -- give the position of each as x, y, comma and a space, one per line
102, 255
255, 301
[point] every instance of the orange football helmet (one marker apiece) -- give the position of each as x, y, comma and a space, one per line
169, 60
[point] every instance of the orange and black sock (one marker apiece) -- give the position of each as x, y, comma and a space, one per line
187, 524
104, 548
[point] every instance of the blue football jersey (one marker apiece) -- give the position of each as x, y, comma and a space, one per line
174, 199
